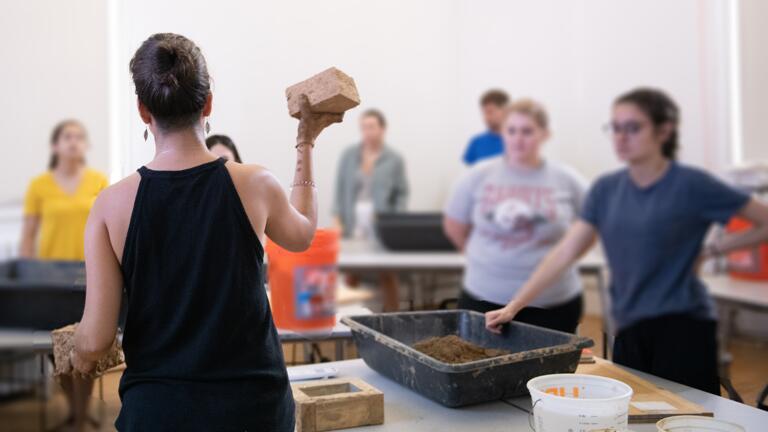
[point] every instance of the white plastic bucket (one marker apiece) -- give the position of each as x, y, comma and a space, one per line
689, 423
578, 403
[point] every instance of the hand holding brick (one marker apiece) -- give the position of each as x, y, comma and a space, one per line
330, 91
64, 343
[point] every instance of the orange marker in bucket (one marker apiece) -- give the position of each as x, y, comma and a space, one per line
303, 284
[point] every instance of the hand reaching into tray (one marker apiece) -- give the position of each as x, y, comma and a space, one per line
496, 318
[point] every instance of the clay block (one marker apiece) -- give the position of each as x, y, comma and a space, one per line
325, 405
64, 342
330, 91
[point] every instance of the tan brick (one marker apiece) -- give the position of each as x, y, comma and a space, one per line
330, 91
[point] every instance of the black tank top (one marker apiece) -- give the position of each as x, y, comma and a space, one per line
201, 350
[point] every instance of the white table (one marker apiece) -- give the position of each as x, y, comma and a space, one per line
362, 256
357, 255
405, 410
732, 296
746, 294
40, 341
338, 334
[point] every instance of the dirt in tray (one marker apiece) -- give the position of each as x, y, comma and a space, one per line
453, 349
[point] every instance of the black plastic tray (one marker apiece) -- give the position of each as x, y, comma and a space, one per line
412, 232
384, 341
41, 295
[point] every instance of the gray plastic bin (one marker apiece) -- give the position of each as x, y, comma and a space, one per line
384, 341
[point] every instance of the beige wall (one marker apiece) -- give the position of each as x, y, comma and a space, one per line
54, 66
753, 37
425, 63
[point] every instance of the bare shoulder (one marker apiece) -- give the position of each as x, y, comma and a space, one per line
253, 179
115, 199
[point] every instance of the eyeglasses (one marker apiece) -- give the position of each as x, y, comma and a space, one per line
628, 128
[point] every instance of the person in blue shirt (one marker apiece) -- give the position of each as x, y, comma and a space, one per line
652, 218
488, 144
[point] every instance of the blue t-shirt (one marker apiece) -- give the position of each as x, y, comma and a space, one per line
652, 237
483, 146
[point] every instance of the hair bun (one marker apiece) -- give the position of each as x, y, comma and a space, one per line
171, 79
167, 58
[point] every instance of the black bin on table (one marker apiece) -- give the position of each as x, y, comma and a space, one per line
41, 295
385, 342
399, 231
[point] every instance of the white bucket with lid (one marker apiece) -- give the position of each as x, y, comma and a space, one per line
578, 403
691, 423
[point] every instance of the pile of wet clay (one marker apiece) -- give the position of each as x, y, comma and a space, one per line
453, 349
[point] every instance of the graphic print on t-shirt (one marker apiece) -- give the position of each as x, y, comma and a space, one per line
514, 212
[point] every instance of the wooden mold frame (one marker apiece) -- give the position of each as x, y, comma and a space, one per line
326, 405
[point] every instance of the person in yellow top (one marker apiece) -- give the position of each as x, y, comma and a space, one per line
57, 202
56, 209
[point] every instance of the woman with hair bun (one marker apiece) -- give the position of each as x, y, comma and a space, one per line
651, 218
183, 237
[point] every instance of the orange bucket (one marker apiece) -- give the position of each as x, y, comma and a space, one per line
303, 285
752, 263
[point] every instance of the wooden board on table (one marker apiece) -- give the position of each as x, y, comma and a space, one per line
644, 393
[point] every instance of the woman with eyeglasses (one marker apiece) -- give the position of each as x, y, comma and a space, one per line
507, 213
652, 217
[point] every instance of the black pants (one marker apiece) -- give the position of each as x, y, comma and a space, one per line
564, 317
680, 348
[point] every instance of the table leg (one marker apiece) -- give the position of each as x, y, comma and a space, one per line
339, 349
725, 329
428, 291
41, 395
389, 284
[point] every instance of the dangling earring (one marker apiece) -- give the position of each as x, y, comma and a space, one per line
146, 134
207, 127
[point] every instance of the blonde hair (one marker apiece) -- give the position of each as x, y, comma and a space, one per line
532, 109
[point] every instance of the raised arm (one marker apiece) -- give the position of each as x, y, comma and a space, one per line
291, 222
577, 241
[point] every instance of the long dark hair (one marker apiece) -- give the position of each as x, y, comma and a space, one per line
171, 79
56, 134
661, 109
226, 142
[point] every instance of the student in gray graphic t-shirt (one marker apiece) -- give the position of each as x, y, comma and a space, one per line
507, 213
652, 218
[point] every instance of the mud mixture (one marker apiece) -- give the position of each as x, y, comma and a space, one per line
453, 349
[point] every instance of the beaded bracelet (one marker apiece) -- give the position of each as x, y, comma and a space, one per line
304, 183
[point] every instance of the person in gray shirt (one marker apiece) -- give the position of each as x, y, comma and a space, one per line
652, 218
507, 213
371, 178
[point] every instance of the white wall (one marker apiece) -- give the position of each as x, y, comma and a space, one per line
425, 63
54, 67
753, 36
